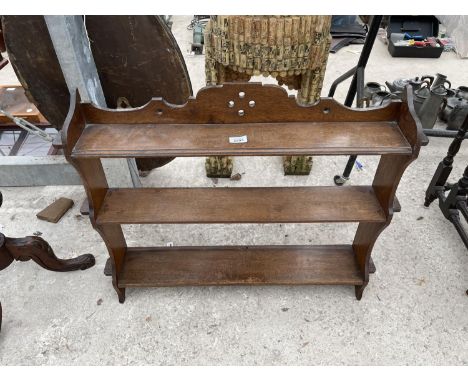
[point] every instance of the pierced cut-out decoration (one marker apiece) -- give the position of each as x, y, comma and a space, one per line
241, 94
241, 113
251, 103
231, 103
159, 112
326, 110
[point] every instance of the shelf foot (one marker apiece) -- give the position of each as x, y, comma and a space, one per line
372, 268
108, 268
108, 272
396, 205
120, 292
358, 290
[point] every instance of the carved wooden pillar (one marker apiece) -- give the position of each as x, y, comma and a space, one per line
292, 49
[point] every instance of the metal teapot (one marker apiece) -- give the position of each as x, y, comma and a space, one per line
399, 84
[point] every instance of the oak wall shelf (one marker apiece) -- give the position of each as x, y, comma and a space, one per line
241, 119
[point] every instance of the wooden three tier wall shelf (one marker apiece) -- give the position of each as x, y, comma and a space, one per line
273, 124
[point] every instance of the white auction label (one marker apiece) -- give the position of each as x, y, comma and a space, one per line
242, 139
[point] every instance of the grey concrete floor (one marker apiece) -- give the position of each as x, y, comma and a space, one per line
414, 310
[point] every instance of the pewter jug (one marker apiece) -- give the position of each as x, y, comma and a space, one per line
458, 115
453, 100
371, 88
432, 104
462, 92
440, 80
420, 96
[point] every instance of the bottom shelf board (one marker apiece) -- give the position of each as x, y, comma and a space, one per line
176, 266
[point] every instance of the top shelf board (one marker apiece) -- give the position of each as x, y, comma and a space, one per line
284, 138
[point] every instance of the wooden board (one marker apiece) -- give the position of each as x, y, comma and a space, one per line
240, 205
32, 55
54, 212
138, 58
326, 138
174, 266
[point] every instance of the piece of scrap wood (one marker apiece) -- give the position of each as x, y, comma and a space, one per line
56, 210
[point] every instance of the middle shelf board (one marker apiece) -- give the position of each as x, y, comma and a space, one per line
292, 138
240, 205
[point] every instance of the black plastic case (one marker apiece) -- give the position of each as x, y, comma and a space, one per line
427, 26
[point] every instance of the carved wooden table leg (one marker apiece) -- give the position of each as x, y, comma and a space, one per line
37, 249
445, 167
